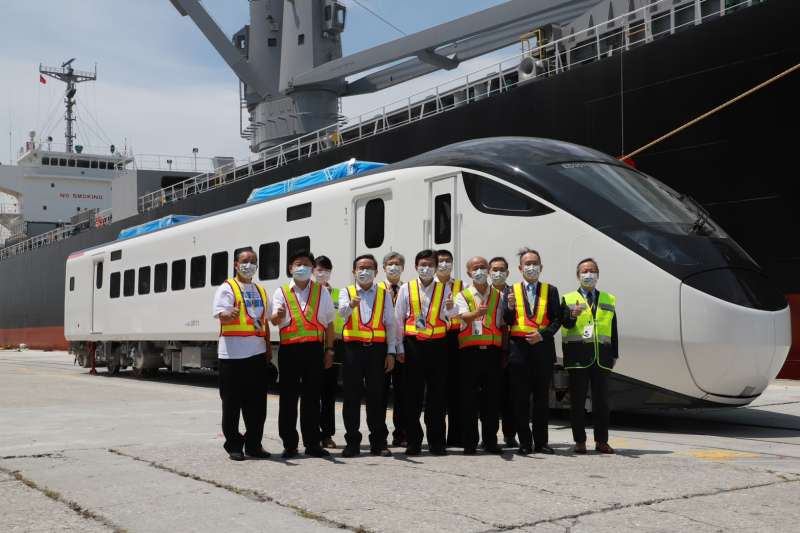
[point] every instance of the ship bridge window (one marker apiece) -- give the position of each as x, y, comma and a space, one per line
374, 220
179, 275
219, 268
62, 162
297, 212
269, 260
129, 282
94, 164
144, 280
272, 42
70, 162
295, 245
197, 272
102, 165
114, 285
83, 163
160, 278
488, 196
45, 160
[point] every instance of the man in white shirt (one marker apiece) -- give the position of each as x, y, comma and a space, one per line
243, 308
369, 336
304, 315
423, 312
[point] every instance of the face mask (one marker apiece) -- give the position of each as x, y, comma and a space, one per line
480, 275
322, 276
247, 270
445, 266
589, 280
531, 272
365, 275
394, 270
499, 277
302, 273
425, 272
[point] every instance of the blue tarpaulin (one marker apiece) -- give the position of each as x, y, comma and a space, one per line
332, 173
153, 225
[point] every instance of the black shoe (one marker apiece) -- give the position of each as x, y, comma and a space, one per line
495, 449
438, 451
317, 451
399, 442
350, 451
289, 453
469, 451
381, 452
236, 456
524, 451
260, 453
545, 449
413, 451
511, 442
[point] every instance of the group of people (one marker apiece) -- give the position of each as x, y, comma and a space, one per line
481, 352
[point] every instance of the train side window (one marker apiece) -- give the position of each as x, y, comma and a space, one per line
488, 196
296, 245
114, 285
129, 282
442, 216
374, 219
144, 280
160, 278
296, 212
99, 281
269, 260
116, 255
71, 283
197, 272
179, 275
219, 268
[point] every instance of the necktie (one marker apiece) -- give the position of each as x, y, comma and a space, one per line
590, 299
531, 298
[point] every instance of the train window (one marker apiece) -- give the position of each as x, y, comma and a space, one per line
114, 285
144, 280
197, 272
296, 212
160, 278
219, 268
179, 275
488, 196
71, 283
99, 276
374, 220
129, 282
269, 260
442, 218
116, 255
296, 245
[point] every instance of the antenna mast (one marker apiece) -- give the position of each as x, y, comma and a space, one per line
71, 77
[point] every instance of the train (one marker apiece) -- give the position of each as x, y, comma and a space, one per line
700, 325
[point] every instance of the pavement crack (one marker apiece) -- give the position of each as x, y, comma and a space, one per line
53, 455
689, 518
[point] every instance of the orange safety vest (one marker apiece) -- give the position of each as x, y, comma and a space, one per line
355, 330
435, 328
455, 322
244, 326
303, 324
523, 324
490, 335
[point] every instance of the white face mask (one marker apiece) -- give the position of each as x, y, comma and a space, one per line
394, 270
445, 266
499, 277
365, 275
425, 272
480, 275
589, 280
247, 270
301, 273
531, 272
322, 276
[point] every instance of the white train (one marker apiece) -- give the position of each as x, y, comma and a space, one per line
699, 324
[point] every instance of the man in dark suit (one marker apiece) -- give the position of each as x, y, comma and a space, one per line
498, 272
535, 314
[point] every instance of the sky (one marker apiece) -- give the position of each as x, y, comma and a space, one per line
161, 88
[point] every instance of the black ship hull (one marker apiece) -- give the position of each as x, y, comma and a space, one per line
732, 162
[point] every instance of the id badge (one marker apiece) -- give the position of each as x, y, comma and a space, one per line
477, 327
588, 331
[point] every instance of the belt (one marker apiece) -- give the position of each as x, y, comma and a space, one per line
483, 347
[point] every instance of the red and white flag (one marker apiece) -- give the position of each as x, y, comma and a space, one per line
42, 80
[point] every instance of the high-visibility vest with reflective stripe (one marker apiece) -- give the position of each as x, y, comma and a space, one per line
589, 340
338, 320
386, 285
244, 325
490, 333
303, 324
355, 330
435, 328
523, 324
455, 322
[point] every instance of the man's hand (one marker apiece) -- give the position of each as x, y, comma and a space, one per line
401, 358
280, 314
230, 315
389, 365
533, 338
576, 310
512, 301
449, 301
482, 310
355, 301
328, 358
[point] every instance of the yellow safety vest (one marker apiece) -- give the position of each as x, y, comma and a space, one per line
588, 342
435, 328
355, 330
490, 334
303, 324
524, 325
244, 325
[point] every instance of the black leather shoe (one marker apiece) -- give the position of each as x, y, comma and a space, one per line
413, 451
317, 451
289, 453
399, 442
350, 451
495, 449
524, 451
511, 442
469, 451
260, 453
381, 452
545, 449
438, 451
236, 456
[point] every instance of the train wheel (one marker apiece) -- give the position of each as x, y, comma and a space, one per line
113, 363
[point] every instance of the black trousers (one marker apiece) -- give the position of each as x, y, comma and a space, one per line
481, 377
454, 411
531, 369
579, 380
243, 388
327, 408
394, 379
364, 371
301, 368
507, 405
426, 370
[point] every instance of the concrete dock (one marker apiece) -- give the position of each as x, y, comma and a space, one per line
99, 453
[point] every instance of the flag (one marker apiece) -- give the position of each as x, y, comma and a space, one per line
42, 80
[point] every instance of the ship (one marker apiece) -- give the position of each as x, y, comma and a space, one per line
712, 82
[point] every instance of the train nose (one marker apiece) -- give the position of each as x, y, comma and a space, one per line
732, 349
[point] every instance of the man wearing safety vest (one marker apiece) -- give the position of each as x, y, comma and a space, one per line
393, 265
242, 308
370, 346
535, 315
498, 273
330, 376
591, 348
422, 312
304, 314
444, 269
480, 310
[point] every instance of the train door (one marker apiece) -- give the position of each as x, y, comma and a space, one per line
97, 289
443, 224
373, 230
